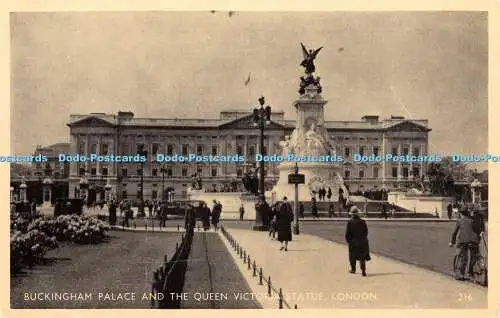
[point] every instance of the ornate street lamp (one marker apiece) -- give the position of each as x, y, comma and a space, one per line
141, 212
47, 191
23, 190
163, 170
261, 117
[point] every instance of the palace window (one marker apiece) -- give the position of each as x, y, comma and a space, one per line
154, 194
125, 148
184, 150
140, 148
416, 151
81, 172
394, 151
104, 149
362, 150
214, 172
81, 147
239, 150
347, 173
154, 172
104, 171
138, 194
199, 150
394, 172
154, 149
169, 172
214, 150
405, 172
347, 152
375, 172
124, 194
361, 173
406, 151
251, 151
93, 171
375, 151
264, 151
239, 172
199, 171
170, 150
184, 172
124, 172
416, 172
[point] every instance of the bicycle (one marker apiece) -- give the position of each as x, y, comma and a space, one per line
479, 266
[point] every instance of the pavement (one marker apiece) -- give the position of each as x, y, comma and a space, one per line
313, 273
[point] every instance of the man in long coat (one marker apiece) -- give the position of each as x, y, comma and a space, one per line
356, 236
284, 219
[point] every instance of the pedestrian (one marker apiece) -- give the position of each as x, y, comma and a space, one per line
205, 217
331, 210
112, 213
454, 210
127, 213
329, 194
314, 208
301, 210
163, 215
216, 211
356, 236
273, 216
284, 219
242, 212
384, 211
150, 208
449, 209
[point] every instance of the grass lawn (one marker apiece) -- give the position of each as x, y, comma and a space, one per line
213, 278
123, 264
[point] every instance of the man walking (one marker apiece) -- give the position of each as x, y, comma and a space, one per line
356, 236
284, 221
314, 208
242, 212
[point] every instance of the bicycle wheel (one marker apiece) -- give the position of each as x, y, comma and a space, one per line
456, 266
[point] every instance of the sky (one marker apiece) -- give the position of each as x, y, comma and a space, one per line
421, 65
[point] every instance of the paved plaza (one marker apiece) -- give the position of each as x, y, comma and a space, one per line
313, 273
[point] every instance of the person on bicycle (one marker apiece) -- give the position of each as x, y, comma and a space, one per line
466, 237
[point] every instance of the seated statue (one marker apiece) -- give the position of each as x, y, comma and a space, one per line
285, 146
315, 142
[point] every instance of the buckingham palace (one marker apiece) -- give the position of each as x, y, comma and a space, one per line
231, 134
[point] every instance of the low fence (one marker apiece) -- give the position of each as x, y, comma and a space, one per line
257, 272
169, 279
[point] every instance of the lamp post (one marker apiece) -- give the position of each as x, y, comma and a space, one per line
261, 117
163, 170
141, 213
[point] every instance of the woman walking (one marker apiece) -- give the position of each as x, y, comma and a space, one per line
356, 236
284, 219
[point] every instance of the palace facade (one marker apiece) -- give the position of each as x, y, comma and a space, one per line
232, 133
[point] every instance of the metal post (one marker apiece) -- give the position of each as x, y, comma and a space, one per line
163, 183
295, 205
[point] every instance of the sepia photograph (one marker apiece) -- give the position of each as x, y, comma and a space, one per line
249, 160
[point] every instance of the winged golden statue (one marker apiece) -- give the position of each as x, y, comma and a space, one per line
309, 57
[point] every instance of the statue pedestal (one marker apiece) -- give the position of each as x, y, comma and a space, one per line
317, 175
